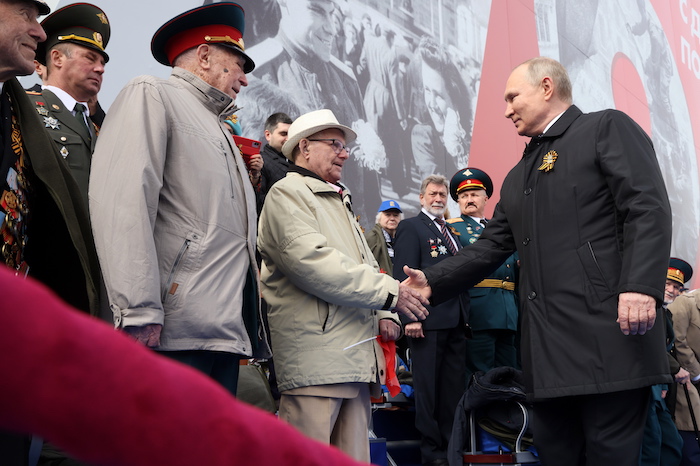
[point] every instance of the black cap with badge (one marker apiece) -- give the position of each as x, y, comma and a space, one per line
83, 24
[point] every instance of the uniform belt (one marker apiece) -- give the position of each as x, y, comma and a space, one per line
495, 283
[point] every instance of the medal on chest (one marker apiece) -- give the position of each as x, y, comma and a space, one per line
436, 247
548, 161
51, 122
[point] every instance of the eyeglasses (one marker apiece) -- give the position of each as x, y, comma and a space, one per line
335, 144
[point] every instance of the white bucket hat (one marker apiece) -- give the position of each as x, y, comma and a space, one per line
312, 123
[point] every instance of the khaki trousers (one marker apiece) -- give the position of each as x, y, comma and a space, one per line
335, 414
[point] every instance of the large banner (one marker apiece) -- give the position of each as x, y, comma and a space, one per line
422, 82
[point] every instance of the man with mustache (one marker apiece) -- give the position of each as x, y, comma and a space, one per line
74, 56
493, 304
438, 344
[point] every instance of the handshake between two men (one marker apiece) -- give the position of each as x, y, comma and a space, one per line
414, 293
636, 311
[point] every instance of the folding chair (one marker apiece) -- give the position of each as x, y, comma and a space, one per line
500, 387
517, 457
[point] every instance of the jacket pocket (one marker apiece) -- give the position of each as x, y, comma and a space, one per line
326, 312
177, 274
594, 272
69, 146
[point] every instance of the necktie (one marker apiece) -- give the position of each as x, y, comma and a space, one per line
484, 221
80, 116
448, 238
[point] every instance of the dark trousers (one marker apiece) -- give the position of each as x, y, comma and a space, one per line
591, 430
220, 366
439, 383
488, 349
691, 450
14, 448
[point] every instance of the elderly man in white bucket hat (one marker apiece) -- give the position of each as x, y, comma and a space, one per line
328, 300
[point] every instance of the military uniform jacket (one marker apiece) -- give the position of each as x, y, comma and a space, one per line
420, 244
596, 224
60, 251
72, 140
490, 308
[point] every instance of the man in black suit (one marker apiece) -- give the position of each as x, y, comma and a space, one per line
438, 344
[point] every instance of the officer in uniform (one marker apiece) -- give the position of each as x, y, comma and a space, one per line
493, 302
74, 53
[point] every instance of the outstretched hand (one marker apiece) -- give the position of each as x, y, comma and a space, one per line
416, 280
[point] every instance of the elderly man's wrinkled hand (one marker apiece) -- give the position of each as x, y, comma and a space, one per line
682, 377
411, 303
389, 330
636, 313
148, 335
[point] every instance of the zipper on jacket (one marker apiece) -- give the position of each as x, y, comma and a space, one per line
175, 266
228, 167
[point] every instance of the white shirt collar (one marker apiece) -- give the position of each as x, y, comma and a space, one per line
554, 120
430, 216
67, 100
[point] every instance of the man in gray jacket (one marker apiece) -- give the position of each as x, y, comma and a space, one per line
328, 301
173, 208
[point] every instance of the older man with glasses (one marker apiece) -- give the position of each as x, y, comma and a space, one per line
328, 301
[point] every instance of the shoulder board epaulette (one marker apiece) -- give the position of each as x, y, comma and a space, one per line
455, 220
32, 93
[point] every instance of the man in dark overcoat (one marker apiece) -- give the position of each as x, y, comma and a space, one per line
587, 210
